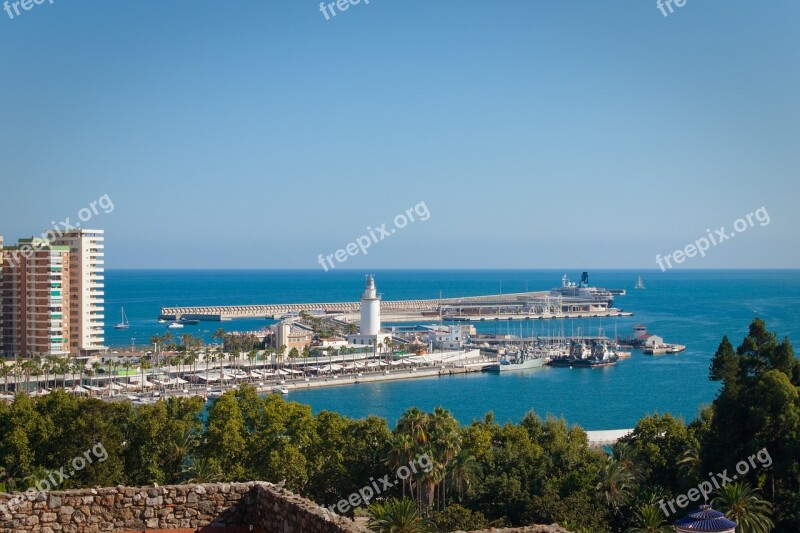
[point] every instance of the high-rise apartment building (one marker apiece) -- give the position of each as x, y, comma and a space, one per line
87, 289
35, 285
52, 295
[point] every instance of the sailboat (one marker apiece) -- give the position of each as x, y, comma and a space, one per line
639, 284
124, 323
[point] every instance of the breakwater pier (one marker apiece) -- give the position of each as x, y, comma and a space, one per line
513, 306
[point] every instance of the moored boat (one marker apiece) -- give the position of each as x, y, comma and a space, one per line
580, 355
522, 360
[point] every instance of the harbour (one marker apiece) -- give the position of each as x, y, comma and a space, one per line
680, 307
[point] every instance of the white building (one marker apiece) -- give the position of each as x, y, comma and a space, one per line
370, 326
652, 340
87, 289
333, 342
449, 337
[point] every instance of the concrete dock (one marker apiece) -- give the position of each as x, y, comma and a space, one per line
514, 306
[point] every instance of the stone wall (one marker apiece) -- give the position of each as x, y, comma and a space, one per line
265, 506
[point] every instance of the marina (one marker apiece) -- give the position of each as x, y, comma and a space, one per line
670, 307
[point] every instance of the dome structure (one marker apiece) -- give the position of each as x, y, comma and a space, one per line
705, 519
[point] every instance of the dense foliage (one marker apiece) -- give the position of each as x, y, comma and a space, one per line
467, 477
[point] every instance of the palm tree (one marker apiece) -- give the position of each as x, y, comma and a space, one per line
280, 352
413, 422
614, 484
77, 368
95, 369
689, 463
252, 355
208, 357
27, 367
201, 470
167, 338
127, 366
187, 339
385, 347
5, 371
744, 505
114, 365
156, 341
649, 519
144, 365
446, 441
398, 516
50, 365
464, 472
191, 360
89, 374
400, 454
219, 335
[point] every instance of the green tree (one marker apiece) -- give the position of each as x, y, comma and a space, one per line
457, 518
226, 437
744, 506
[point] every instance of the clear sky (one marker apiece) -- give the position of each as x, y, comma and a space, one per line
539, 134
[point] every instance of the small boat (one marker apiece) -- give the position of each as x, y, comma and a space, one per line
162, 321
280, 390
639, 284
189, 321
124, 322
175, 325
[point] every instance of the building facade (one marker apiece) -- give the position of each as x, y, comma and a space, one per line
52, 296
87, 289
36, 317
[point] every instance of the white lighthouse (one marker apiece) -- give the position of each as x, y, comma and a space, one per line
369, 330
370, 310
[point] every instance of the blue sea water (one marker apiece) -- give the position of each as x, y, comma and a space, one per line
695, 308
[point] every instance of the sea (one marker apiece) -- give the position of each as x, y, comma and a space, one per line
695, 308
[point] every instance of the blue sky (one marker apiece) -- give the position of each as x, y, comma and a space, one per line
538, 134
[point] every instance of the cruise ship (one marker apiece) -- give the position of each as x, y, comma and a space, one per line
582, 290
